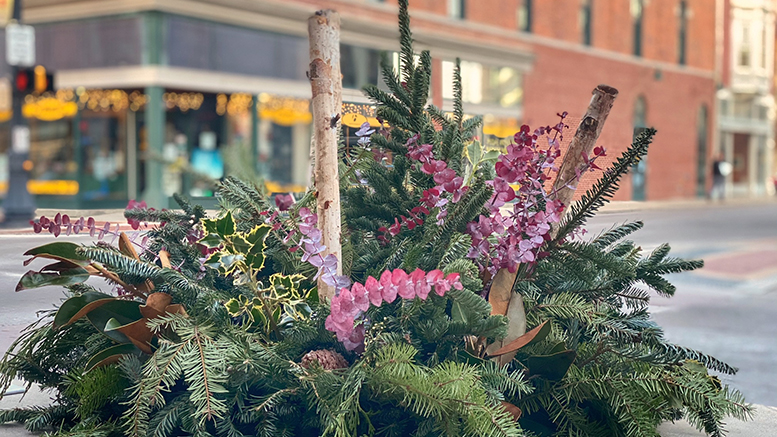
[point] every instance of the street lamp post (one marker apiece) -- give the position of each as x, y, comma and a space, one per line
19, 204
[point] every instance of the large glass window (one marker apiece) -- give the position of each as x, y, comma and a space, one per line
524, 15
220, 47
637, 10
483, 84
683, 33
102, 42
586, 10
457, 9
359, 66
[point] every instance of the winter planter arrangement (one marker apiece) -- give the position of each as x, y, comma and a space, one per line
449, 293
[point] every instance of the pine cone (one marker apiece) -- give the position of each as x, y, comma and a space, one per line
326, 358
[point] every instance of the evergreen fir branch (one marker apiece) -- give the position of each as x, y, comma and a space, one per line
165, 422
458, 96
458, 247
392, 81
605, 187
406, 53
388, 102
605, 239
439, 116
420, 91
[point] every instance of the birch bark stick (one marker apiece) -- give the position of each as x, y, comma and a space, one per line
326, 84
501, 296
583, 143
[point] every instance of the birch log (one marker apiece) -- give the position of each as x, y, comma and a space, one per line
501, 296
583, 142
326, 104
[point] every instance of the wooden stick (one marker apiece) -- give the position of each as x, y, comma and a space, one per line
501, 296
583, 142
326, 104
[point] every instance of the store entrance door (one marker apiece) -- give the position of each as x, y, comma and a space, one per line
639, 173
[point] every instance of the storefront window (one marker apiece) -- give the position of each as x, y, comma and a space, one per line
213, 46
102, 42
104, 153
483, 84
284, 142
359, 66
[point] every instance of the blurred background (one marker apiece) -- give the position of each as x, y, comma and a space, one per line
140, 99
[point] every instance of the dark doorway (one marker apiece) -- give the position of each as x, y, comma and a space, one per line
701, 153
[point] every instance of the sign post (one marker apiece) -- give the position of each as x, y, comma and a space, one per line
19, 204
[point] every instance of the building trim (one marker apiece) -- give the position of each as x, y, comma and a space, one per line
287, 18
188, 79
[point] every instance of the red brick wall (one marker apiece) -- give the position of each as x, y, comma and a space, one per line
562, 80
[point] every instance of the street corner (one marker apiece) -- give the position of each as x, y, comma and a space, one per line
752, 267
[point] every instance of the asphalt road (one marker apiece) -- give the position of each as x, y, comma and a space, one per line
727, 309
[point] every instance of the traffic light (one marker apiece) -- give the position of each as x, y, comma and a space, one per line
34, 80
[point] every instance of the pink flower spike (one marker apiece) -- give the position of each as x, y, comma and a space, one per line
418, 279
373, 291
360, 298
388, 290
454, 279
401, 280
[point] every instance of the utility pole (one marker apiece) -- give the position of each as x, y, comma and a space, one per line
19, 204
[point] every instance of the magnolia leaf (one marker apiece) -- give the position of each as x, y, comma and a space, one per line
466, 357
535, 335
512, 409
552, 367
125, 246
77, 307
60, 250
211, 240
559, 347
124, 311
137, 332
33, 279
110, 355
156, 304
501, 292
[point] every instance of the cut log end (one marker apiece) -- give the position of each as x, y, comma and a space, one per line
607, 90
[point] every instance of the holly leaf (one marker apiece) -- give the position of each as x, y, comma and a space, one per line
239, 244
258, 234
224, 226
211, 240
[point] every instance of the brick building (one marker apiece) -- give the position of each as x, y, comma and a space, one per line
174, 77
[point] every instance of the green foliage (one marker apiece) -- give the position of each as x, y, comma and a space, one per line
239, 345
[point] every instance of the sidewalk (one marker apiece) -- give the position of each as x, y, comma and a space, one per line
116, 216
